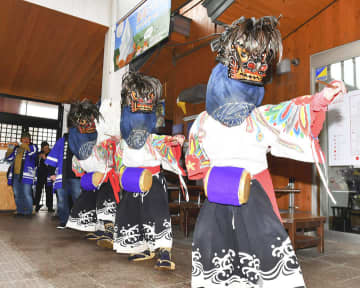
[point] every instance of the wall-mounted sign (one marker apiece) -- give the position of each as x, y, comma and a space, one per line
321, 73
144, 28
344, 130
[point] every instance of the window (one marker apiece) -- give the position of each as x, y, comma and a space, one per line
10, 133
42, 110
348, 71
29, 108
39, 135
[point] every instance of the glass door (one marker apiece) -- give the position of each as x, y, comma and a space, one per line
341, 63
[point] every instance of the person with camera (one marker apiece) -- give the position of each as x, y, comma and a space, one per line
21, 173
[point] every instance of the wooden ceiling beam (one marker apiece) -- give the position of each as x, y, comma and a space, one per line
48, 55
294, 13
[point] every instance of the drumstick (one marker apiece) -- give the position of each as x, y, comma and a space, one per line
326, 84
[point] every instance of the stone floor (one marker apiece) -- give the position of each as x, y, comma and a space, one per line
33, 253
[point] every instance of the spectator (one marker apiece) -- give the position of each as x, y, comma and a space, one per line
66, 183
43, 179
22, 173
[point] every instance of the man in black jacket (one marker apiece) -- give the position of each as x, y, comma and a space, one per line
43, 172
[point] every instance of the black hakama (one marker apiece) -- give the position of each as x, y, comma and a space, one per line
143, 220
249, 247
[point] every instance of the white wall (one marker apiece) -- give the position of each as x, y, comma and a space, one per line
65, 116
124, 6
112, 81
98, 11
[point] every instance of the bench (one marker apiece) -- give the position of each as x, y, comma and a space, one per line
299, 223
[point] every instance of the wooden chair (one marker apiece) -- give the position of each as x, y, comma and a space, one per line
354, 213
189, 211
340, 219
183, 213
174, 196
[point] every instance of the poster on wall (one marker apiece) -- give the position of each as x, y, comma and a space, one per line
338, 127
144, 28
354, 104
344, 130
321, 73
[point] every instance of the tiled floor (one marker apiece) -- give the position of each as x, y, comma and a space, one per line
35, 254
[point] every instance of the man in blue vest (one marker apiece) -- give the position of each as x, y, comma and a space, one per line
22, 173
81, 139
66, 183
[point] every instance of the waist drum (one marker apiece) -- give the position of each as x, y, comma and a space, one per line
227, 185
134, 179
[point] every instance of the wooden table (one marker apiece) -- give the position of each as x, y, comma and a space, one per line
190, 210
188, 215
291, 193
300, 222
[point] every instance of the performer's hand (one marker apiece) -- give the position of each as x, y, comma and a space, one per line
96, 178
178, 139
330, 93
53, 177
116, 138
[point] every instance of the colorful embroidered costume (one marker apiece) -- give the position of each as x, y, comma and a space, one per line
96, 207
143, 222
244, 244
96, 204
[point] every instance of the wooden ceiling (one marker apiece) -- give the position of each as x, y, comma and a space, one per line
48, 55
177, 4
294, 12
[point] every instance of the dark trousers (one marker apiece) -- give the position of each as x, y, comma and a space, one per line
49, 194
23, 196
71, 189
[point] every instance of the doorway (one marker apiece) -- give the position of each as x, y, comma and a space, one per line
42, 120
340, 63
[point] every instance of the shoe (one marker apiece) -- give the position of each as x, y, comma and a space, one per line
94, 235
38, 208
107, 235
18, 215
146, 255
50, 210
61, 226
105, 243
164, 262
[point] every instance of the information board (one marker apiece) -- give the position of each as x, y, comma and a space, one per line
344, 130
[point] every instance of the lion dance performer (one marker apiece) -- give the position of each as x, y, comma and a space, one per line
239, 240
94, 211
143, 223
